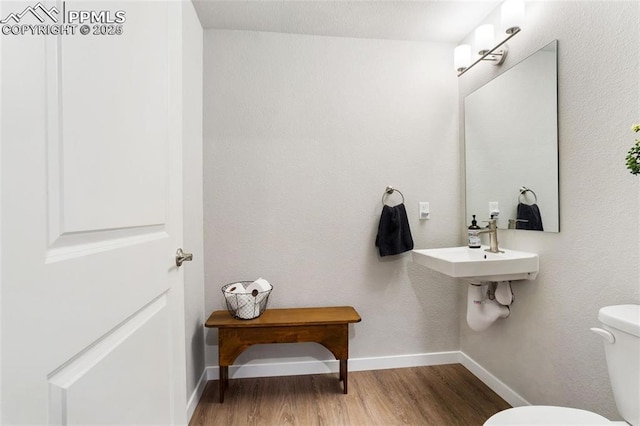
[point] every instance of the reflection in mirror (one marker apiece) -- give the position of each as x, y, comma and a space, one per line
511, 145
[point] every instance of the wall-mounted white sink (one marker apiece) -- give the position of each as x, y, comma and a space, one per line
478, 264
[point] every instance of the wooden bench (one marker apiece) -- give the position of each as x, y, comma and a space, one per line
326, 326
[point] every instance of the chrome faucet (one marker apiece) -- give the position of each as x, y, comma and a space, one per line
492, 230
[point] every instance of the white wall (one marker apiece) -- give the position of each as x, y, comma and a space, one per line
192, 39
544, 350
302, 135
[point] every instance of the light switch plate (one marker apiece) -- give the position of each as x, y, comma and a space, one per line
424, 210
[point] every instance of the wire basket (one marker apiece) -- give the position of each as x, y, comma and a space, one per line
245, 305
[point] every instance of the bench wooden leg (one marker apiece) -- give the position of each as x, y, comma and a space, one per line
343, 374
224, 382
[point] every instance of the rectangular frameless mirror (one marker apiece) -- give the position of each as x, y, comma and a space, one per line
511, 145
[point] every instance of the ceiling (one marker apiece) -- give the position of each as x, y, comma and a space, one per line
447, 21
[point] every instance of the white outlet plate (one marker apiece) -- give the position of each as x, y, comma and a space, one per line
494, 209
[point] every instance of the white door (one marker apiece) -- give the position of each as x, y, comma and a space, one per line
91, 307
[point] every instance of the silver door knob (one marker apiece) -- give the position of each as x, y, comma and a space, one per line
183, 257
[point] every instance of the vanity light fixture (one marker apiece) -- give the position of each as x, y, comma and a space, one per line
512, 17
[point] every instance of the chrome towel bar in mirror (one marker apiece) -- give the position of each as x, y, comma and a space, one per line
522, 198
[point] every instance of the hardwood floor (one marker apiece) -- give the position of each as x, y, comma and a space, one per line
434, 395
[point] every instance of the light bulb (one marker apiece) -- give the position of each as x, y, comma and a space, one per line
462, 57
484, 38
512, 15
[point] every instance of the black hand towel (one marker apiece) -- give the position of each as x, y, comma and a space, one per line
530, 213
394, 235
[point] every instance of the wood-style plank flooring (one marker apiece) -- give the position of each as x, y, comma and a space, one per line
434, 395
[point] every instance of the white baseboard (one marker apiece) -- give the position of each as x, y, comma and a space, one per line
196, 395
332, 366
495, 384
357, 364
404, 361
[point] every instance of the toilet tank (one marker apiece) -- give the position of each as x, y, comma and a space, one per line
623, 358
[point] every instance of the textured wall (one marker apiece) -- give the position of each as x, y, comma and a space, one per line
545, 350
302, 135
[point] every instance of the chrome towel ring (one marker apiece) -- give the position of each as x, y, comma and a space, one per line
390, 190
522, 198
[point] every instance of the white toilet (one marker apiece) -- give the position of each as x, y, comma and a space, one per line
621, 331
